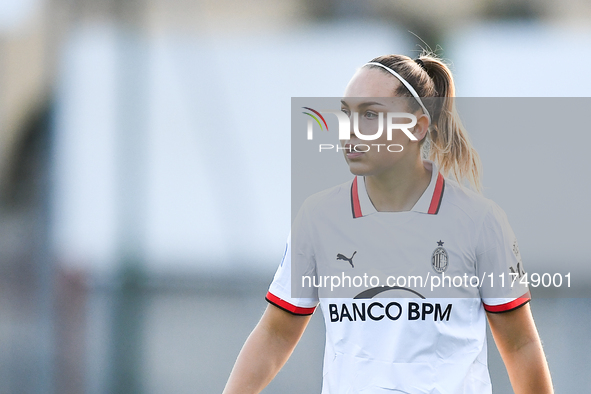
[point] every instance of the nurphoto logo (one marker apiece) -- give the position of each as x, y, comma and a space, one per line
344, 121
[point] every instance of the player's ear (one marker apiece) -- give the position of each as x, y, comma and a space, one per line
421, 128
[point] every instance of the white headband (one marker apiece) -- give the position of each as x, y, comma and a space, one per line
405, 83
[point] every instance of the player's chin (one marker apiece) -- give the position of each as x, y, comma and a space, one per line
358, 168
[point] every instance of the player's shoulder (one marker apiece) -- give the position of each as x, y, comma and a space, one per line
327, 198
462, 200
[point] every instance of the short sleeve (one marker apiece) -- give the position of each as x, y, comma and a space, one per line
499, 262
298, 260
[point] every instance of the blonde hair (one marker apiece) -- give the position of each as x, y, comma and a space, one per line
447, 143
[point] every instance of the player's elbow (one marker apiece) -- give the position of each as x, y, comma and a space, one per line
283, 326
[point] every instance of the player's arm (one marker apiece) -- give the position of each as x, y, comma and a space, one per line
521, 349
266, 350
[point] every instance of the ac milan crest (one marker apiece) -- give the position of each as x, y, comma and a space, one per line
439, 259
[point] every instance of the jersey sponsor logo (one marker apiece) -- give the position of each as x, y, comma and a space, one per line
377, 311
439, 258
341, 256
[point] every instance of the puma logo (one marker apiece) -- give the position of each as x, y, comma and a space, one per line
345, 258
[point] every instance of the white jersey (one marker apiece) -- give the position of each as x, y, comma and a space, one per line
398, 332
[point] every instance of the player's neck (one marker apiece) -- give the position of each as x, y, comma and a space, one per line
399, 188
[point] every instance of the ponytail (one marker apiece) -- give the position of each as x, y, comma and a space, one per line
447, 143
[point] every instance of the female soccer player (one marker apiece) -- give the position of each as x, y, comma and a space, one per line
405, 215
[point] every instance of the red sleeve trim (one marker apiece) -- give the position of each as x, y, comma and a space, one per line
286, 306
509, 306
437, 195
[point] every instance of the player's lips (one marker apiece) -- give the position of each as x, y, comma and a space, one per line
351, 152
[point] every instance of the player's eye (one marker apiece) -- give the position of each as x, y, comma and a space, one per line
371, 115
346, 112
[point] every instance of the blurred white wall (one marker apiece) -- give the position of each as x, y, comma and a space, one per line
218, 137
218, 131
14, 14
521, 59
